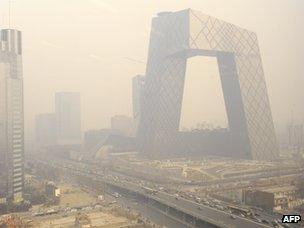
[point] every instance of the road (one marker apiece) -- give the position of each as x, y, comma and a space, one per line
208, 214
149, 212
205, 213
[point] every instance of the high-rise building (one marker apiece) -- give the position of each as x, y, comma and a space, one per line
46, 130
295, 137
177, 36
68, 118
138, 83
11, 117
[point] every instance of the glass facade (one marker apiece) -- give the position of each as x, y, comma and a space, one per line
177, 36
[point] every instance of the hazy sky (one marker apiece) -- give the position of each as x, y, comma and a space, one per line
85, 46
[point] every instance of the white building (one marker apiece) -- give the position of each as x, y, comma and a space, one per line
11, 117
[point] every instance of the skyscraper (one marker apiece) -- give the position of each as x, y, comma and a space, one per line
177, 36
68, 118
138, 83
11, 116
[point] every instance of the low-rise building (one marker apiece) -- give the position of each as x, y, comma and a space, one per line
274, 198
123, 125
52, 190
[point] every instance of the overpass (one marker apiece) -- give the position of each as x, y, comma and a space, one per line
191, 213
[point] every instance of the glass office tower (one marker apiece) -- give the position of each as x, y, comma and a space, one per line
177, 36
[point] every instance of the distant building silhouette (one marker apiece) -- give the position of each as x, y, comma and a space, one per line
93, 137
177, 36
295, 137
11, 117
115, 141
138, 83
68, 118
123, 125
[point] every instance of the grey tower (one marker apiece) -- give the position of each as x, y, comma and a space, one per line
68, 118
138, 83
11, 116
177, 36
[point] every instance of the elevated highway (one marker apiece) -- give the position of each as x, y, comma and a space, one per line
196, 215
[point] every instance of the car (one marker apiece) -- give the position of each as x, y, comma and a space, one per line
219, 207
116, 195
275, 224
197, 199
233, 216
98, 206
39, 213
258, 220
265, 221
